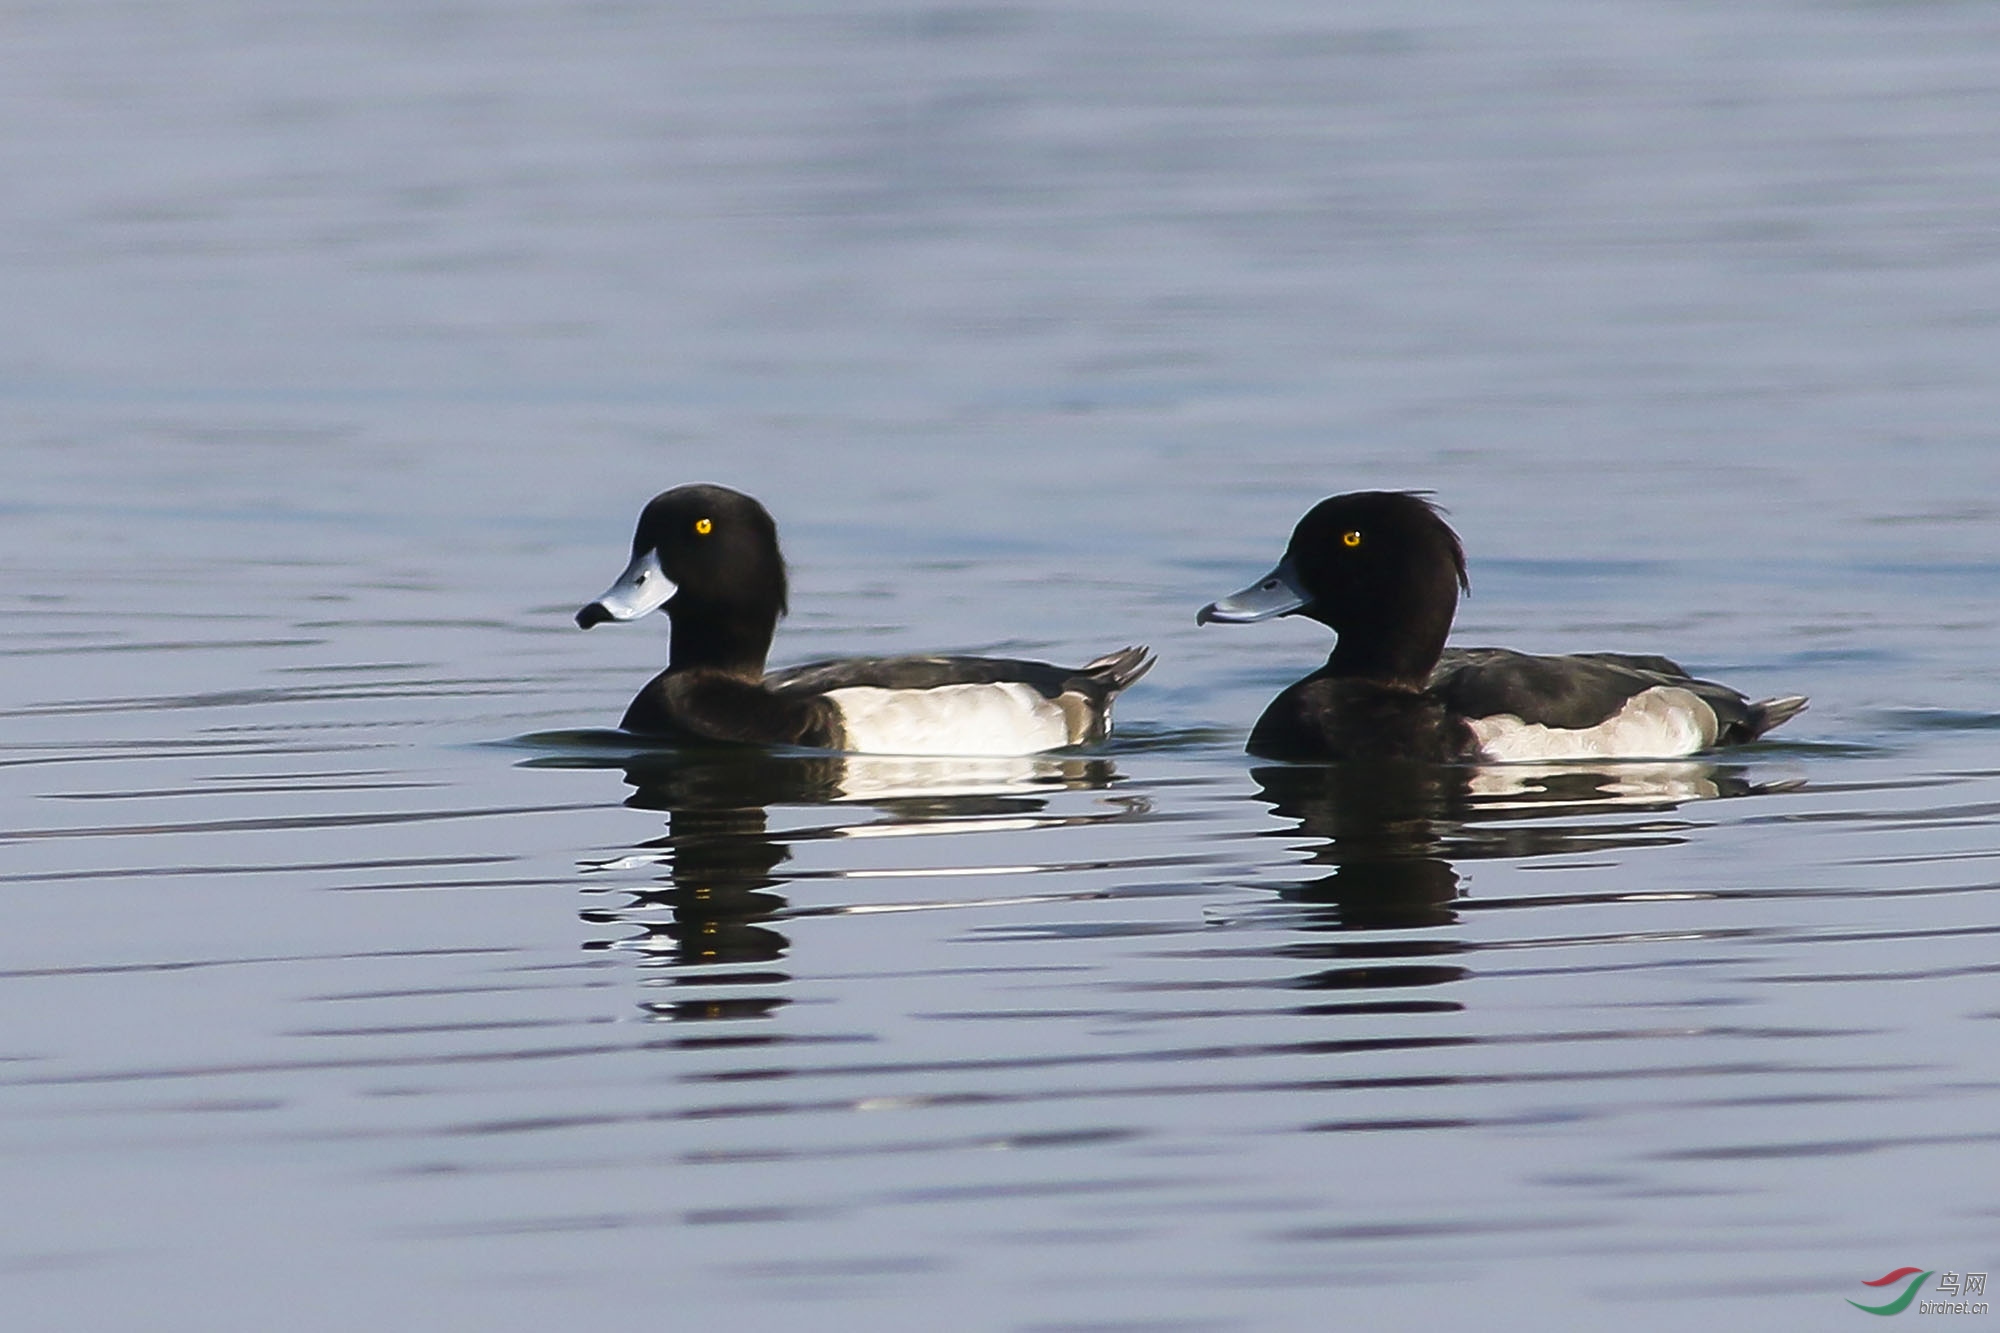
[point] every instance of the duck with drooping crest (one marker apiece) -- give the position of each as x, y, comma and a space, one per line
1384, 571
709, 557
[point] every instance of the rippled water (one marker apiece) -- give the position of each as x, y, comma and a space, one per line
355, 973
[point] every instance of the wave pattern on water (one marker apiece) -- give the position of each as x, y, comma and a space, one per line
346, 974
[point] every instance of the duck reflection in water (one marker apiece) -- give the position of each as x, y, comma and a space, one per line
716, 941
1395, 832
1383, 828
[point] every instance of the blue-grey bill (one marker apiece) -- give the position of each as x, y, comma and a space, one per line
643, 587
1276, 594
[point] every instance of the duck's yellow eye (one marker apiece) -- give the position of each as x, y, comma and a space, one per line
1350, 539
704, 526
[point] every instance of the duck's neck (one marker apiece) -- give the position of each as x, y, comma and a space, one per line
1400, 653
731, 640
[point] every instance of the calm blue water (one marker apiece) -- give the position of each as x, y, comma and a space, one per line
350, 975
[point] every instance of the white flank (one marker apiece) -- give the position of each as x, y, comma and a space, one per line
999, 719
1664, 722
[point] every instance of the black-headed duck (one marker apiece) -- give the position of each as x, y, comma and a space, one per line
709, 556
1383, 570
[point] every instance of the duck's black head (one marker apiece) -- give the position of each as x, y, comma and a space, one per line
710, 556
1381, 568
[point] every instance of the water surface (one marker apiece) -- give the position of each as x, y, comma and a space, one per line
354, 974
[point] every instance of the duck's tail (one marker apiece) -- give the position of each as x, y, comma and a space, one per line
1768, 714
1114, 671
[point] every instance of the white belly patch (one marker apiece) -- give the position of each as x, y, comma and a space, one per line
1664, 722
998, 719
